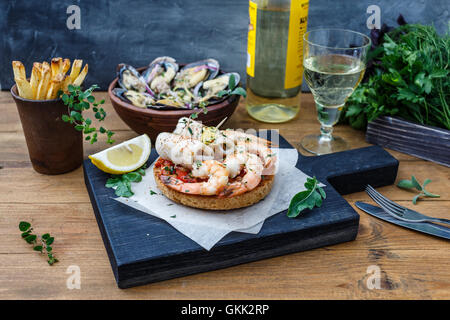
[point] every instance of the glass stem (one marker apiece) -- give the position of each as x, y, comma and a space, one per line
325, 133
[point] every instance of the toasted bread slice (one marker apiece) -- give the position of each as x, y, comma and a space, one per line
214, 202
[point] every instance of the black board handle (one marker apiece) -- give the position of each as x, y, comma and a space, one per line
350, 171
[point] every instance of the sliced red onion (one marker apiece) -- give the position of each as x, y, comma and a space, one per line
197, 88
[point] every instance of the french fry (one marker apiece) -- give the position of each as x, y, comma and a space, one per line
35, 77
19, 70
55, 86
65, 66
24, 88
44, 82
76, 67
79, 80
56, 64
47, 79
66, 82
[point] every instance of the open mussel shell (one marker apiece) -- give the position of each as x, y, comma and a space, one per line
158, 66
193, 73
137, 99
130, 79
140, 99
211, 88
212, 65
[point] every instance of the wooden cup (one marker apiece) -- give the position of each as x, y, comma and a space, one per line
54, 146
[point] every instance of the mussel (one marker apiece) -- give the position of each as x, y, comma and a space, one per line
214, 86
193, 73
130, 79
138, 99
160, 74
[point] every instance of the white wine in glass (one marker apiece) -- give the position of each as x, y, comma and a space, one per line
334, 62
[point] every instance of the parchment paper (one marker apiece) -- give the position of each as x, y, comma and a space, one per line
207, 227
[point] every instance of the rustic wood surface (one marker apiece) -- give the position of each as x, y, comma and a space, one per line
412, 265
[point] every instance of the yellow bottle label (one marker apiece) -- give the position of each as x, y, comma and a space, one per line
251, 40
294, 57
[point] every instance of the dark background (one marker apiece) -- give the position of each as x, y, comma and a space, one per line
137, 31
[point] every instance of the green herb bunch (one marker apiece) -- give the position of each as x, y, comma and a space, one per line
77, 101
312, 197
409, 78
122, 182
42, 244
414, 184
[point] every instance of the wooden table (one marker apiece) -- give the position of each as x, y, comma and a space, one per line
412, 265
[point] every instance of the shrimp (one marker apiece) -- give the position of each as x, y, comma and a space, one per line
182, 150
189, 128
250, 180
240, 136
252, 144
218, 179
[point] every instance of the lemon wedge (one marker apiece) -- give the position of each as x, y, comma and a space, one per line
125, 157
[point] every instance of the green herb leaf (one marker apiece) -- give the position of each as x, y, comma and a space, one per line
416, 183
312, 197
24, 226
239, 91
414, 200
222, 93
406, 184
231, 82
30, 238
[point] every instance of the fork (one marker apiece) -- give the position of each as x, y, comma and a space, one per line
399, 212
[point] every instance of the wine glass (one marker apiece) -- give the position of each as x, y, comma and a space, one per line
334, 61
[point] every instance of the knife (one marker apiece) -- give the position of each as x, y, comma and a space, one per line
425, 227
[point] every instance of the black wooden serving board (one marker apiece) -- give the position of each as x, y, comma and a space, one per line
144, 249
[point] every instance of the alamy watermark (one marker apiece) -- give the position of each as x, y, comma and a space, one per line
74, 20
374, 20
374, 280
74, 280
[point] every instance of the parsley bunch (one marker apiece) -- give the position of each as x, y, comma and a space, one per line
408, 76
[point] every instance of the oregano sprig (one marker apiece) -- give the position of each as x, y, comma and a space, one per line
78, 100
312, 197
414, 184
41, 244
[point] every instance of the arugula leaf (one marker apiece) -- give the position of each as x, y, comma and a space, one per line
122, 183
312, 197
